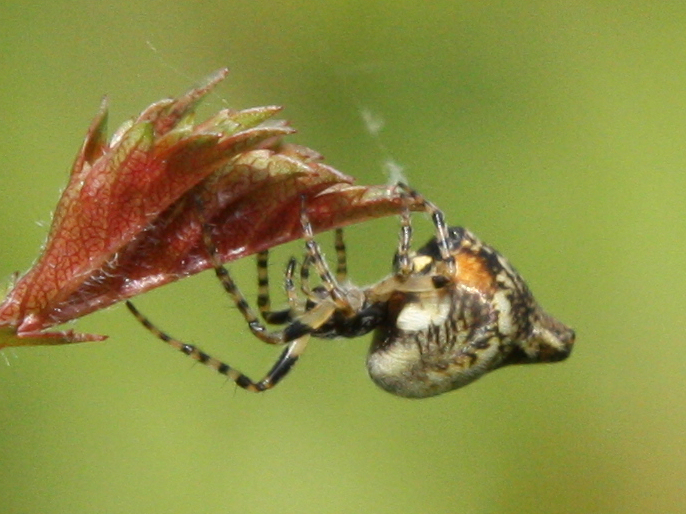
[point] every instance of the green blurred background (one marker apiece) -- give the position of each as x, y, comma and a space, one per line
554, 130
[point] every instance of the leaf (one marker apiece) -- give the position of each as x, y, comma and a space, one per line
128, 220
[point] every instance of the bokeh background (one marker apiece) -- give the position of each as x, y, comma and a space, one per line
554, 130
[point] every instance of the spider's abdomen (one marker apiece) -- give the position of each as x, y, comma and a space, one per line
433, 343
438, 338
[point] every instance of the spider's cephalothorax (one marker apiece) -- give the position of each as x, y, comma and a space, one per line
449, 313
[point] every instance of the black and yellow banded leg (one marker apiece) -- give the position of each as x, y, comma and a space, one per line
305, 287
341, 256
314, 296
280, 317
404, 244
282, 366
438, 219
341, 265
314, 253
256, 327
289, 286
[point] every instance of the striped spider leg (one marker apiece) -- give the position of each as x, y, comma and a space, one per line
296, 344
264, 299
299, 325
448, 313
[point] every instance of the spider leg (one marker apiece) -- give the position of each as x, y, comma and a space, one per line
282, 366
264, 301
298, 328
405, 241
290, 286
314, 253
439, 222
313, 296
305, 287
341, 256
292, 331
341, 266
280, 317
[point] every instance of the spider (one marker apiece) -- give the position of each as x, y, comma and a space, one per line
448, 313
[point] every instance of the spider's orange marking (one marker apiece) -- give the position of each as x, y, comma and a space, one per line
473, 272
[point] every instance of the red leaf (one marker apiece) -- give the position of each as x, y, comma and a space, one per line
127, 221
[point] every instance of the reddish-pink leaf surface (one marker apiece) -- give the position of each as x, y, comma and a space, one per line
128, 219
